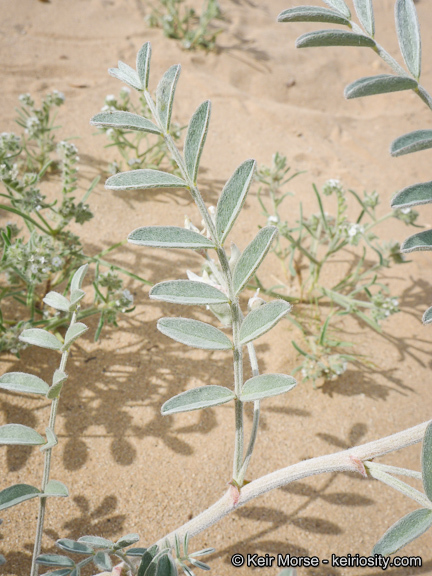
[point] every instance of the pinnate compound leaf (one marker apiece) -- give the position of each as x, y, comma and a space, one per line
144, 179
413, 196
266, 385
126, 74
143, 64
194, 333
74, 546
39, 337
364, 11
165, 95
17, 494
23, 383
169, 237
97, 542
233, 197
127, 540
55, 560
312, 14
340, 6
252, 257
20, 435
195, 139
147, 559
52, 440
427, 316
73, 332
427, 462
197, 398
408, 32
187, 292
122, 120
57, 301
411, 142
262, 319
102, 561
333, 38
381, 84
404, 531
417, 242
78, 277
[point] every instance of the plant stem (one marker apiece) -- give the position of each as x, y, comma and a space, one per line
47, 469
346, 460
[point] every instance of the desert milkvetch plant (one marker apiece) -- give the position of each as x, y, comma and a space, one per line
220, 288
363, 35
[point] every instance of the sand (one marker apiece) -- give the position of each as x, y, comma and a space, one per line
128, 469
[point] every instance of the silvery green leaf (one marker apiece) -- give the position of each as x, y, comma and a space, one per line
233, 197
262, 319
203, 552
408, 32
56, 488
312, 14
413, 196
411, 142
136, 552
266, 385
197, 398
144, 179
199, 564
194, 333
147, 559
333, 38
364, 11
187, 292
97, 542
419, 241
58, 379
288, 572
252, 257
166, 566
169, 237
404, 531
427, 462
427, 316
57, 301
73, 546
102, 561
340, 6
127, 540
52, 440
39, 337
54, 560
78, 277
381, 84
76, 296
23, 383
20, 434
17, 494
195, 139
73, 332
143, 64
165, 95
61, 572
125, 121
126, 74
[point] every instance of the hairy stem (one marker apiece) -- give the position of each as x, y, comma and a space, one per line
346, 460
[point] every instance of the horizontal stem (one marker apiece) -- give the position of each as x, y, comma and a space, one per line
337, 462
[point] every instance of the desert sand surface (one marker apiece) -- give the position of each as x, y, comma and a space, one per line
127, 468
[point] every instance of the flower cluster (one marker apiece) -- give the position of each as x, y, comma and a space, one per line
384, 306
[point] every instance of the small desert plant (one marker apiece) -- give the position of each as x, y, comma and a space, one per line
181, 22
363, 35
39, 251
309, 248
